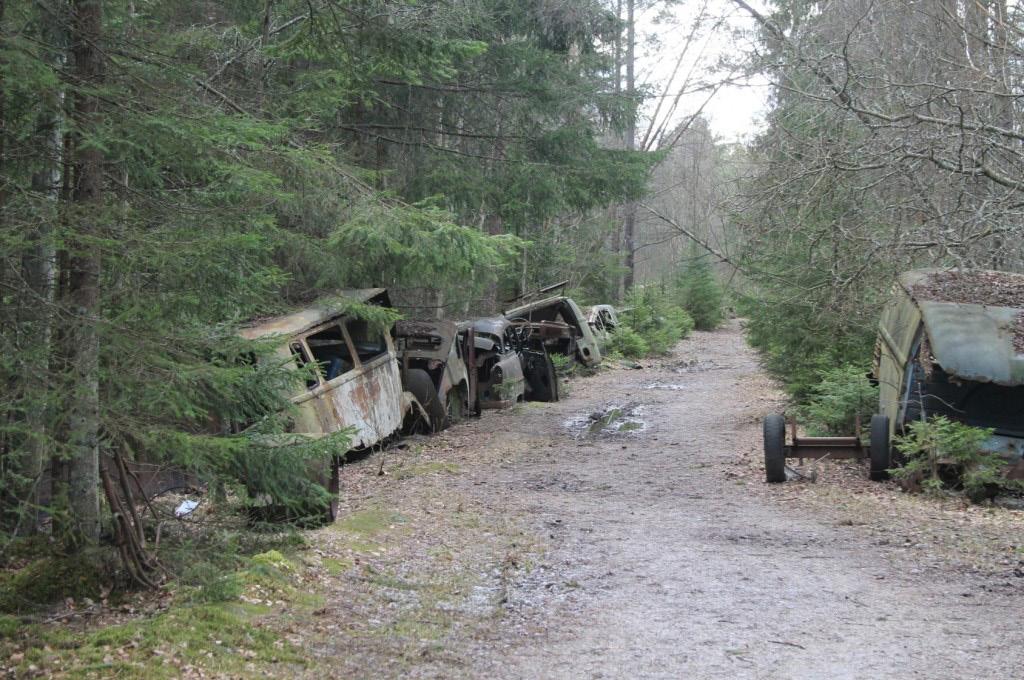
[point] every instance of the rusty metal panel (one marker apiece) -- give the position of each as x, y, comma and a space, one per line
974, 320
974, 342
369, 399
565, 310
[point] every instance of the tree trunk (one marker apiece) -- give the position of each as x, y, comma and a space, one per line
83, 292
40, 265
629, 228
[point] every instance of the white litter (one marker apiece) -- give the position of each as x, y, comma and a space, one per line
185, 508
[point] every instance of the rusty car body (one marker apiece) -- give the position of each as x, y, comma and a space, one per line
436, 363
952, 343
603, 321
560, 326
501, 382
352, 374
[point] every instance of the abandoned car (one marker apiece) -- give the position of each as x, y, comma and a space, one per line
603, 321
560, 326
500, 378
352, 379
436, 363
950, 343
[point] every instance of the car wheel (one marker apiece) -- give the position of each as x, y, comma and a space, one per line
775, 449
880, 451
422, 387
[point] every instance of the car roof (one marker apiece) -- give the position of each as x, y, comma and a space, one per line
530, 306
314, 315
974, 320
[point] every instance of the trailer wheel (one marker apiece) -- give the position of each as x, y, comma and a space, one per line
422, 387
775, 449
880, 452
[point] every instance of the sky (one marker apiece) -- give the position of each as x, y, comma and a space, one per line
735, 112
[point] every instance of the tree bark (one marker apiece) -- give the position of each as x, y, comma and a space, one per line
83, 293
629, 228
40, 264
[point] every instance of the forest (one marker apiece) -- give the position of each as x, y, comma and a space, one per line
170, 170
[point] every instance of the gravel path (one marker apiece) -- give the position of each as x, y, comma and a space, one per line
651, 550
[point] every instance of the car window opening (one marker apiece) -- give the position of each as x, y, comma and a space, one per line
302, 361
331, 352
369, 342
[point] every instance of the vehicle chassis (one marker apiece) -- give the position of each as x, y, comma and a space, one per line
776, 450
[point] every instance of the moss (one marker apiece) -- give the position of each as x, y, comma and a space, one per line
9, 626
207, 627
48, 580
220, 638
369, 522
274, 559
432, 468
336, 567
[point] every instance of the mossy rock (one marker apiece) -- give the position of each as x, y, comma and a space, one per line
49, 580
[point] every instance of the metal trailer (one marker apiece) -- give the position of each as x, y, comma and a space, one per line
950, 343
776, 450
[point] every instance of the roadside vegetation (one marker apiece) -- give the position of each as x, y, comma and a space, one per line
655, 317
172, 170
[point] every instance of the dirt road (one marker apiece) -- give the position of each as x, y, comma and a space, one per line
624, 533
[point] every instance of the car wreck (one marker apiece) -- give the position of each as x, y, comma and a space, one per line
501, 382
603, 321
436, 363
950, 343
352, 377
510, 367
560, 326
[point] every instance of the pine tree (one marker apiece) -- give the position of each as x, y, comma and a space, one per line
700, 293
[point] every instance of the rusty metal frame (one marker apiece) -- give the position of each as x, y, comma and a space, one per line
833, 448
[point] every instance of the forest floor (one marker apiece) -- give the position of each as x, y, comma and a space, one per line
542, 542
623, 532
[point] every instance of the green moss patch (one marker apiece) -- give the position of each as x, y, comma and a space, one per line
223, 637
49, 580
368, 523
432, 468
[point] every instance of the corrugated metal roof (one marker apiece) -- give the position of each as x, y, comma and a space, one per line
970, 340
314, 315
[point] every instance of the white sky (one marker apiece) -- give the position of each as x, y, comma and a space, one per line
735, 112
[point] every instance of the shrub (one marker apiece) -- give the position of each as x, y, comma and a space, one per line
700, 293
946, 454
565, 366
834, 403
208, 582
626, 342
656, 318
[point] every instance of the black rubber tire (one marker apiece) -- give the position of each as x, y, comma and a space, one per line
775, 449
422, 387
880, 450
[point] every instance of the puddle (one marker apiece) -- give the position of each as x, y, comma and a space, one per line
611, 420
696, 366
658, 385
